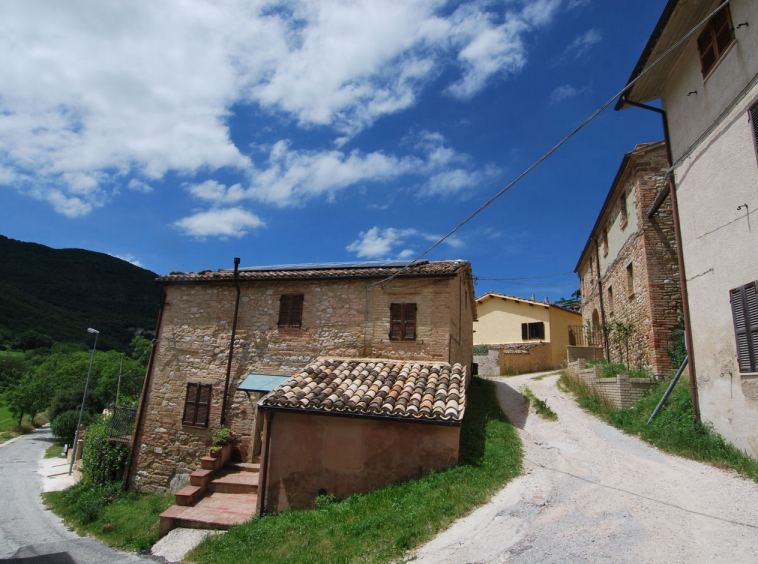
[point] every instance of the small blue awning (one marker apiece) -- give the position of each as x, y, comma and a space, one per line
261, 382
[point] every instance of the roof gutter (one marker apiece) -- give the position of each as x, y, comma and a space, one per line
679, 250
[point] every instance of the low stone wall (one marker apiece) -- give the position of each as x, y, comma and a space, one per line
622, 391
515, 358
588, 353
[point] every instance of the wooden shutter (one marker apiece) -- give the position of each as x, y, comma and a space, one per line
537, 330
745, 315
190, 404
754, 121
524, 331
296, 310
284, 310
197, 406
396, 322
409, 332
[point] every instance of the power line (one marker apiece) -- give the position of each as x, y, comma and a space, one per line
562, 142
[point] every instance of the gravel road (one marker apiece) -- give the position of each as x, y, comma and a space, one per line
28, 532
592, 494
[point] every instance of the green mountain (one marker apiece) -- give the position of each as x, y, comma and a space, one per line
62, 292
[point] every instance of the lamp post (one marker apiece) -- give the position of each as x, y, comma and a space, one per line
84, 398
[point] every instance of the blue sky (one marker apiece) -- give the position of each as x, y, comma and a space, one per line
180, 134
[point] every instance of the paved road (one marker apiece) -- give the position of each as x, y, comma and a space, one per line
28, 532
593, 494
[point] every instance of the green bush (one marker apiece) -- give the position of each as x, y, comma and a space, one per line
102, 459
71, 399
222, 436
63, 426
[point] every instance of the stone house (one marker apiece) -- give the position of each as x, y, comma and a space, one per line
708, 92
522, 335
226, 338
628, 269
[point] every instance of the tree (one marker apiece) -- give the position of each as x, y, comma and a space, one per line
622, 334
573, 303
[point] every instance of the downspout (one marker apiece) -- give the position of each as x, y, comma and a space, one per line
679, 256
145, 392
231, 344
602, 303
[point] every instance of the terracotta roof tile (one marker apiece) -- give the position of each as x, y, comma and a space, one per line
416, 390
423, 269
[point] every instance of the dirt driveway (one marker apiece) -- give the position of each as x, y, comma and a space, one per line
592, 494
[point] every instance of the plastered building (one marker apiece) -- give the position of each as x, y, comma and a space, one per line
708, 92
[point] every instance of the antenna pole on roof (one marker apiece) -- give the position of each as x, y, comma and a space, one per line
231, 343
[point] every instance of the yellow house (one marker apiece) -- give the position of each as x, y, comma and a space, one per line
527, 334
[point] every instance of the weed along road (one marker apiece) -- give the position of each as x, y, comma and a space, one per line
593, 494
27, 529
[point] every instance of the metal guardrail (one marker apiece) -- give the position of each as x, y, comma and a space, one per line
122, 424
583, 336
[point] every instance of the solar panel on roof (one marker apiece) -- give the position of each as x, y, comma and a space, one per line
327, 265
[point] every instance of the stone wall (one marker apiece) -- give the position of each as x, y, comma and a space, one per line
489, 364
622, 391
341, 318
650, 298
587, 353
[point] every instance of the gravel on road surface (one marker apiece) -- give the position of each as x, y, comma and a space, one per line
590, 493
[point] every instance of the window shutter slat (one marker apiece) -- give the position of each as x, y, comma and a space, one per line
745, 315
296, 311
203, 405
410, 322
284, 310
524, 332
190, 405
396, 322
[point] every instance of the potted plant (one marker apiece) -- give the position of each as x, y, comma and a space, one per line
222, 445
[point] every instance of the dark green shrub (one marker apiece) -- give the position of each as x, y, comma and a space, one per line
69, 400
63, 427
102, 459
222, 436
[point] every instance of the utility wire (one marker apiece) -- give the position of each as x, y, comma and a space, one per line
562, 142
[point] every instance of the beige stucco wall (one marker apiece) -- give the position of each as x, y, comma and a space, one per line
720, 245
618, 233
559, 323
500, 319
341, 318
344, 456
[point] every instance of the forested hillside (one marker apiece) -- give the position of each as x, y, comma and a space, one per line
61, 292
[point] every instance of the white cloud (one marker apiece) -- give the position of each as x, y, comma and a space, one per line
229, 222
128, 258
378, 243
582, 43
564, 92
93, 94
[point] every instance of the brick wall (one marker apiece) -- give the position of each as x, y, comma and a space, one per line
622, 391
341, 318
654, 305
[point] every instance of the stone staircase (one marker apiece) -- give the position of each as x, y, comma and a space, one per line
217, 497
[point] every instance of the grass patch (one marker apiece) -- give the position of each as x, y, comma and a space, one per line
674, 429
613, 369
54, 451
541, 407
127, 521
9, 427
381, 526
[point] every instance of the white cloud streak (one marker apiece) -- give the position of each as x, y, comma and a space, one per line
389, 243
92, 94
229, 222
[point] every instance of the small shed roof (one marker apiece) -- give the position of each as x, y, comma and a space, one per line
261, 382
394, 389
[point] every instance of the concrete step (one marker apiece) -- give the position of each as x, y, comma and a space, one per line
200, 478
233, 481
214, 511
245, 466
188, 495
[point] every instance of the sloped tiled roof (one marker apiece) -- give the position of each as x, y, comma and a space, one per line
304, 272
398, 389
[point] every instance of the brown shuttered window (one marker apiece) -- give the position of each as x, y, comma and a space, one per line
745, 315
532, 331
715, 38
197, 406
403, 322
291, 310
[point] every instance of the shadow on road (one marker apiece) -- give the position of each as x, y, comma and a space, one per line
513, 403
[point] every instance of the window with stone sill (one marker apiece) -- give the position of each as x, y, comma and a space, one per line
610, 300
197, 405
716, 37
290, 311
744, 301
623, 211
630, 280
403, 322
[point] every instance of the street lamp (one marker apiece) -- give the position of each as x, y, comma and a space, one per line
81, 410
